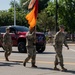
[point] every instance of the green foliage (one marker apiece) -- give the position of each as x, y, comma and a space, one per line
42, 4
51, 9
24, 4
7, 18
45, 21
46, 16
17, 5
67, 14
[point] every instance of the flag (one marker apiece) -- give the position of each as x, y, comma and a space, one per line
32, 15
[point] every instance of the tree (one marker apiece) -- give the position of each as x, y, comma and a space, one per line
68, 14
24, 4
43, 4
50, 11
17, 5
7, 18
45, 21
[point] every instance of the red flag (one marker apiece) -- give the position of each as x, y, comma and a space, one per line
32, 16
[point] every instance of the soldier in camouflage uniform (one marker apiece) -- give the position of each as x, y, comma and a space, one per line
7, 43
31, 48
59, 40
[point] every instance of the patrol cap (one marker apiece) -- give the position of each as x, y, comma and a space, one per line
62, 26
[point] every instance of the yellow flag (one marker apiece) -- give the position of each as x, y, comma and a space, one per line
32, 15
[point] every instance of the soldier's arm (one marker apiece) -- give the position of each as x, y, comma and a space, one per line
35, 38
4, 38
55, 39
56, 36
65, 43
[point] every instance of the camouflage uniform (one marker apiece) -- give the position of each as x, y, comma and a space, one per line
7, 45
59, 40
31, 48
50, 36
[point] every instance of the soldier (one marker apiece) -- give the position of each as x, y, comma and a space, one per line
7, 43
59, 40
31, 48
50, 36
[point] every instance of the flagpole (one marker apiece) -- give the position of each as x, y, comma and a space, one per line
25, 3
14, 14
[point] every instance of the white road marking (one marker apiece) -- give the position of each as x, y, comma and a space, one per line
72, 50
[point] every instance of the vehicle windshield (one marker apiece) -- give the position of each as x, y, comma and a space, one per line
2, 29
22, 29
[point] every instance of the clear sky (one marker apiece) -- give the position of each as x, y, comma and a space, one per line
5, 4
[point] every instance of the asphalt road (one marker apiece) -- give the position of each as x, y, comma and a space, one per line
44, 61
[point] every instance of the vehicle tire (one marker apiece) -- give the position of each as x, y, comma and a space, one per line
40, 49
22, 47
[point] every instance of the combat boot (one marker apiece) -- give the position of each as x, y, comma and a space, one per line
6, 58
64, 69
34, 66
55, 68
24, 64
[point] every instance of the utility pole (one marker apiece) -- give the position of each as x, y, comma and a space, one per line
14, 14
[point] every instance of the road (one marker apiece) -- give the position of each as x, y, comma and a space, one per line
44, 61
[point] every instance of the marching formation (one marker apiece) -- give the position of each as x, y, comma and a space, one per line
59, 40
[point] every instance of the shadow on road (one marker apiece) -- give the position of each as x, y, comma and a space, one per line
16, 61
47, 53
70, 71
9, 64
2, 51
45, 68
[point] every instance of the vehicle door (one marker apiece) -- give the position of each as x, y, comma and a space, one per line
2, 32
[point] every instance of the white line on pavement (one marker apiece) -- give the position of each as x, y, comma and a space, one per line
72, 50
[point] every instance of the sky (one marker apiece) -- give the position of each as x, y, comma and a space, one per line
5, 4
